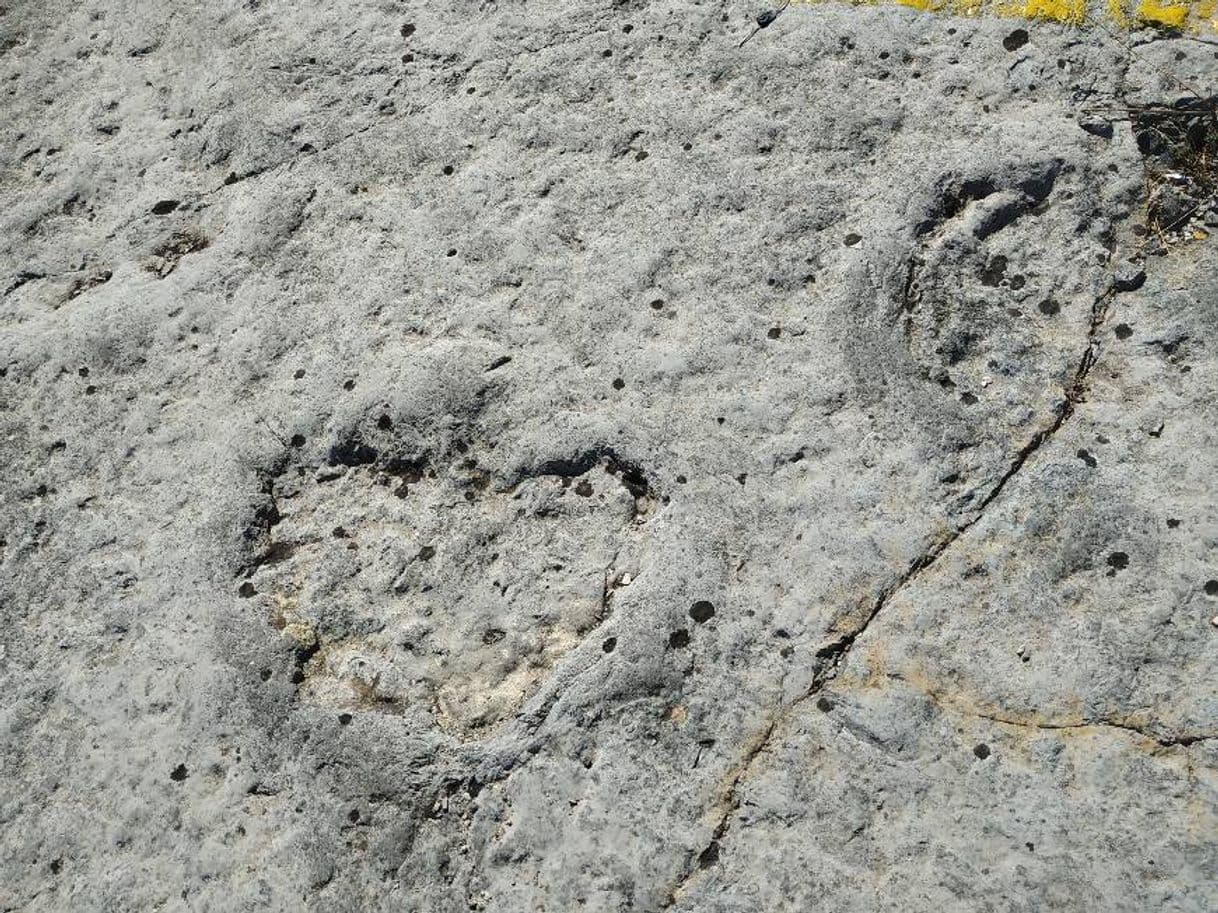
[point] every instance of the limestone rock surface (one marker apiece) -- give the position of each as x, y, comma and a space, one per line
550, 457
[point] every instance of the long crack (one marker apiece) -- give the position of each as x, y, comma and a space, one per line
1166, 741
829, 657
948, 704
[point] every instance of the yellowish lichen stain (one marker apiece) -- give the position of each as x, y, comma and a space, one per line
1190, 15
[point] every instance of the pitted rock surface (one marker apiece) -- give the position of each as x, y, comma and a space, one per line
554, 457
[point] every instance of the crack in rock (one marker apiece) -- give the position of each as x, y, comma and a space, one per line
1165, 741
948, 704
830, 657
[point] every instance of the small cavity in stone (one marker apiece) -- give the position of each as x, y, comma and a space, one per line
701, 611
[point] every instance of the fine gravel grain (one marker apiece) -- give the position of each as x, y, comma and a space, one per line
552, 457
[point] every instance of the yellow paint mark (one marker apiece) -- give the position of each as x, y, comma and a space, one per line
1172, 15
1072, 12
1192, 15
930, 6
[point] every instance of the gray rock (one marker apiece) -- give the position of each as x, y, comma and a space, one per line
1098, 127
557, 458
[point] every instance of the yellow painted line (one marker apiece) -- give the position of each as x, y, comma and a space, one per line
1185, 15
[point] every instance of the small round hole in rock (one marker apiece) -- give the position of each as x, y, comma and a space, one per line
701, 611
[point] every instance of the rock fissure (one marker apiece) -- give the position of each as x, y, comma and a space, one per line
1178, 740
830, 656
